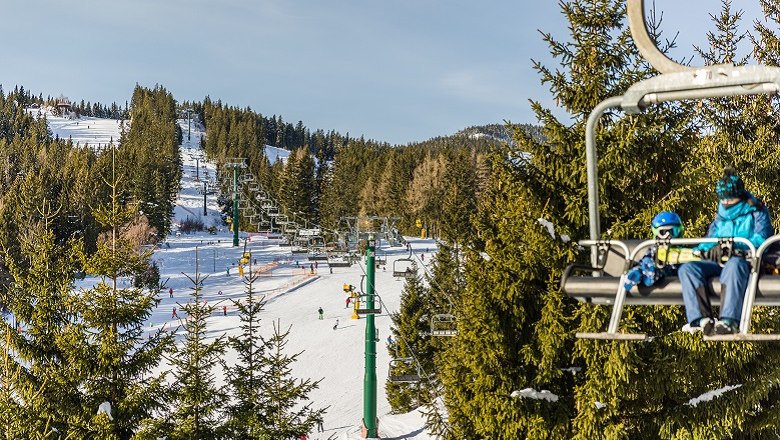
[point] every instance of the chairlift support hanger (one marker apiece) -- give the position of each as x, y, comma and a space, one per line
676, 82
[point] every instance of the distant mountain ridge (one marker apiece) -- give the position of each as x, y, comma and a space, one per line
499, 132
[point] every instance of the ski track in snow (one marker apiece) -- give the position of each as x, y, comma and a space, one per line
336, 357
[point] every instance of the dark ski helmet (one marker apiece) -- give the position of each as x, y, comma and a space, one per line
667, 224
730, 186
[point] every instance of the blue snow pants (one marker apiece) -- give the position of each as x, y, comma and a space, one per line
734, 276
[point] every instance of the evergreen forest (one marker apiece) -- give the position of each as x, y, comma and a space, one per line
486, 194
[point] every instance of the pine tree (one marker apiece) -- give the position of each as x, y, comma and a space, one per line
197, 401
288, 415
446, 285
248, 411
426, 189
113, 347
298, 185
515, 326
740, 132
412, 340
41, 368
459, 200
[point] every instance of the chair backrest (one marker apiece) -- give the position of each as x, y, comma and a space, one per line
614, 265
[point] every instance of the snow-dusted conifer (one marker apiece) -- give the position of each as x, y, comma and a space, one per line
411, 340
247, 412
114, 349
197, 402
289, 412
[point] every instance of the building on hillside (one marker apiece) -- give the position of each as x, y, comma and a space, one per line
64, 108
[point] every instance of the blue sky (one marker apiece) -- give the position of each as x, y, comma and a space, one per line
396, 71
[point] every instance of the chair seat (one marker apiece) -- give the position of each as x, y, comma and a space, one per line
668, 291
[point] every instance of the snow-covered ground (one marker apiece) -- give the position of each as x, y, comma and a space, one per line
95, 132
336, 357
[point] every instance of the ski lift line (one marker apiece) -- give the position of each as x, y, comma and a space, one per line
431, 279
400, 337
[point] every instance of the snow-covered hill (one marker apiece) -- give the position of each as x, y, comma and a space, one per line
95, 132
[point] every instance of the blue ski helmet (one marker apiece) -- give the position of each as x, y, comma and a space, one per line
667, 224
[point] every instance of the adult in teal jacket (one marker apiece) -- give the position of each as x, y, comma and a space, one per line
740, 214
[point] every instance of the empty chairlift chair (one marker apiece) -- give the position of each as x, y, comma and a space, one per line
404, 268
339, 259
404, 370
362, 308
444, 324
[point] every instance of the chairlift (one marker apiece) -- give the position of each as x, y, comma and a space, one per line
410, 371
404, 268
381, 259
300, 246
361, 307
339, 259
317, 255
602, 281
444, 324
247, 178
317, 242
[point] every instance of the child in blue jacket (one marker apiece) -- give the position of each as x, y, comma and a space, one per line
665, 224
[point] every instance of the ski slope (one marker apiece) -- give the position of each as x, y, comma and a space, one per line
293, 294
84, 131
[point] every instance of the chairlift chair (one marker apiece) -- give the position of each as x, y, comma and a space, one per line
404, 364
339, 259
616, 258
317, 242
300, 246
318, 256
247, 178
404, 268
602, 282
361, 301
444, 324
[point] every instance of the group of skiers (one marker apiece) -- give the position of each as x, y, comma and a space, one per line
739, 214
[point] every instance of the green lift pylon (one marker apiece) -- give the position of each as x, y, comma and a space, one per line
369, 377
235, 163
